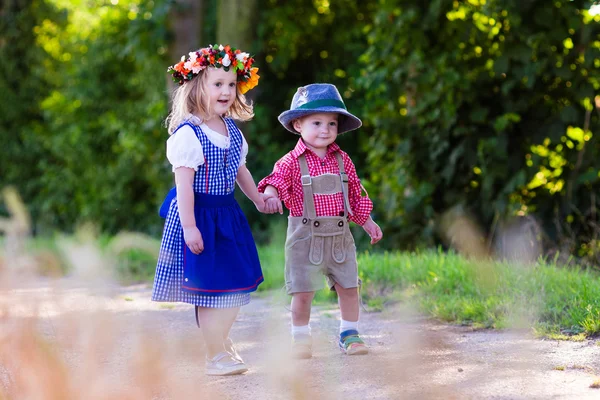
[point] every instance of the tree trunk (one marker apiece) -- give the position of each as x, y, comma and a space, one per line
235, 23
235, 27
187, 17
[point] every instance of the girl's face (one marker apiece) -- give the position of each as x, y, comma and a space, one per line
318, 130
221, 88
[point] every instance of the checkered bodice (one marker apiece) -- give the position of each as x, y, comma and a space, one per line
218, 173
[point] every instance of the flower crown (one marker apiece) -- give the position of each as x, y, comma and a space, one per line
217, 56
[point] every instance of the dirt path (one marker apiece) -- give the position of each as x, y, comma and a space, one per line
121, 339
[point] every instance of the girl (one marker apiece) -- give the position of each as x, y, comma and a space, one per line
208, 257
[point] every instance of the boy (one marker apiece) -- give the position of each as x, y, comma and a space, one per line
317, 182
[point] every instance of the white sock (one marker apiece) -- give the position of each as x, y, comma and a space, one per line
300, 330
346, 325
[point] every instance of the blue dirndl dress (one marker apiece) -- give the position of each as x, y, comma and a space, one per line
228, 269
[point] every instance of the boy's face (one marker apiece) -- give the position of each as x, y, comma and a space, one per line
318, 130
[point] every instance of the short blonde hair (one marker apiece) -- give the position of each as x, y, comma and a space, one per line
190, 98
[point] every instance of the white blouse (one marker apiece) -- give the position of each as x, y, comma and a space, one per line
185, 150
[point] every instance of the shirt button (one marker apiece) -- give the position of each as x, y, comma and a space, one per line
323, 163
186, 279
228, 190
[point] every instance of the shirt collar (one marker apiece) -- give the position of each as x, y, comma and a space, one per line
301, 148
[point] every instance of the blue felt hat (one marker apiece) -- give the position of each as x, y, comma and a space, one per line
319, 98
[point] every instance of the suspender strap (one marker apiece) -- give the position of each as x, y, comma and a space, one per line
309, 199
344, 177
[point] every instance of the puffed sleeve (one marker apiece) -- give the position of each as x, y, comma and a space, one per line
281, 179
184, 149
244, 153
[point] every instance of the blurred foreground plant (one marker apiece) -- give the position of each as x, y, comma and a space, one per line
57, 335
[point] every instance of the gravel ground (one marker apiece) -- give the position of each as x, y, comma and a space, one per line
114, 341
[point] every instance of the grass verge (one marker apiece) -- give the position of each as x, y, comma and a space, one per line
555, 301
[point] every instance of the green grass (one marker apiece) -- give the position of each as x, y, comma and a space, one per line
546, 297
555, 301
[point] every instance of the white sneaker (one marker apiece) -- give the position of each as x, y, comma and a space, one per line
225, 364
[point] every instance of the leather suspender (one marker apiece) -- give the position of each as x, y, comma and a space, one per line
344, 177
309, 200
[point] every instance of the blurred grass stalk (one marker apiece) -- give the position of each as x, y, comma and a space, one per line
69, 339
56, 336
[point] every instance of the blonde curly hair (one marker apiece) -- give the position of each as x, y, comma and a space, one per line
190, 98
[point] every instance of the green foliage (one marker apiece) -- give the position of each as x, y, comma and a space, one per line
488, 105
25, 82
482, 104
104, 158
95, 132
135, 265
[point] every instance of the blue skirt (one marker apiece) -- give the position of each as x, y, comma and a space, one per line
229, 262
226, 271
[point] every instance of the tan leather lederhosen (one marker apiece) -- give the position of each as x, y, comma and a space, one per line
317, 246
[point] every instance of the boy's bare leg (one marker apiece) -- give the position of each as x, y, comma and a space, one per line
348, 301
301, 303
301, 339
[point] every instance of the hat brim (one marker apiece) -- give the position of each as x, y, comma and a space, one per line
349, 123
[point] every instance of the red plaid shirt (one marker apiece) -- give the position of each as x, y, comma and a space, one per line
286, 178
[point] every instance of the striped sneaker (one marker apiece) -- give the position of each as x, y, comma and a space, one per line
351, 344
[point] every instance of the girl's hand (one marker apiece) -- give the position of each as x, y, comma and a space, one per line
260, 203
193, 239
373, 230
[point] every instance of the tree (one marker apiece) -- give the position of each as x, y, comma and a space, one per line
484, 105
102, 141
241, 32
187, 18
25, 81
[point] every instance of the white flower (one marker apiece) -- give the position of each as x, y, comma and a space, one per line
193, 56
242, 56
226, 61
221, 47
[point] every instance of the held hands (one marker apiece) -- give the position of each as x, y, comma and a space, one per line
273, 204
269, 204
193, 239
373, 230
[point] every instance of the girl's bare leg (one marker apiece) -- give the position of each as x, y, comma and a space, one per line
215, 324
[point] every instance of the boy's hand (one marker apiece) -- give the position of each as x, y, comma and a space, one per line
270, 204
193, 239
273, 205
373, 230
